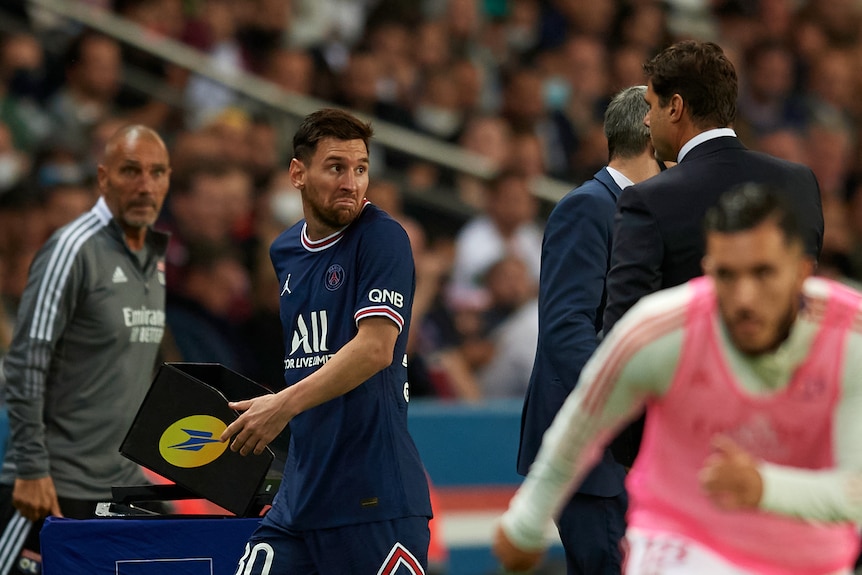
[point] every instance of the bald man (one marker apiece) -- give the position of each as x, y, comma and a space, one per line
89, 326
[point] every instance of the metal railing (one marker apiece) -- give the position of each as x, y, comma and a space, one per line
389, 135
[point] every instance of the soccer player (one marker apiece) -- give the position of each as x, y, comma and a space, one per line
354, 497
751, 456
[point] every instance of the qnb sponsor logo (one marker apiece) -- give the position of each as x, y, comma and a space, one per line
192, 441
377, 295
310, 335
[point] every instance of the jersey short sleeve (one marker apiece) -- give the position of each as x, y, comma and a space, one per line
385, 287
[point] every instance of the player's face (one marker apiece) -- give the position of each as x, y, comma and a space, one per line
758, 280
134, 180
658, 123
333, 184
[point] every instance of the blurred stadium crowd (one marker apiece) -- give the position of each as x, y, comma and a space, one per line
522, 82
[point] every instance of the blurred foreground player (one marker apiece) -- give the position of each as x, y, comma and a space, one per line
751, 461
354, 497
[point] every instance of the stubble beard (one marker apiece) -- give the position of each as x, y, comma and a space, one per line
335, 218
139, 222
132, 220
780, 334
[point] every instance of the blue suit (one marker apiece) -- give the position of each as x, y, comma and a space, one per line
576, 254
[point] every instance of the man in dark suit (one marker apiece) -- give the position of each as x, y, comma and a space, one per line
575, 258
658, 240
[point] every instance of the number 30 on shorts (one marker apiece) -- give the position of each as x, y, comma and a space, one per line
251, 557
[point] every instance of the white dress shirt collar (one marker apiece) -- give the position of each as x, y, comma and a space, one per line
621, 180
703, 137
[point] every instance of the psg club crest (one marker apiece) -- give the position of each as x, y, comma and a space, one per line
334, 277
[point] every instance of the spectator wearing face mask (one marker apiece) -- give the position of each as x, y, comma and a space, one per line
525, 108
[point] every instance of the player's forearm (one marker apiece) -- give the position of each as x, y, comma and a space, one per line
352, 365
817, 495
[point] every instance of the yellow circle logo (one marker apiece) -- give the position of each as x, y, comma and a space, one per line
193, 441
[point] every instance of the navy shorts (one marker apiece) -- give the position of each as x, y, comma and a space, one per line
396, 547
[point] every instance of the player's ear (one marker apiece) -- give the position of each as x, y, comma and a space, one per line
675, 108
706, 265
297, 174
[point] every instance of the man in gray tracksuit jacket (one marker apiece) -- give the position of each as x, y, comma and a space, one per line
82, 357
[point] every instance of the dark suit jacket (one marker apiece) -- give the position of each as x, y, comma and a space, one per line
658, 234
575, 258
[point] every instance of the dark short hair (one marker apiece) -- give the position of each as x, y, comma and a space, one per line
624, 126
328, 123
748, 205
702, 74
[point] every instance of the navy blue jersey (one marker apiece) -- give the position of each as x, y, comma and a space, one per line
351, 459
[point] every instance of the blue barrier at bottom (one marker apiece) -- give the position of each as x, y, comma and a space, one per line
144, 547
187, 547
